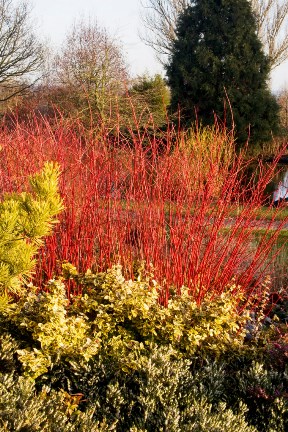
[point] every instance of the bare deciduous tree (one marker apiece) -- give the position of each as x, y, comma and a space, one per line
160, 18
21, 56
91, 65
272, 25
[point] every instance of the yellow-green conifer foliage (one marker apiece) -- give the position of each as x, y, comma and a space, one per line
25, 219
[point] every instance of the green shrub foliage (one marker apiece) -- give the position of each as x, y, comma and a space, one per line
115, 359
24, 219
24, 410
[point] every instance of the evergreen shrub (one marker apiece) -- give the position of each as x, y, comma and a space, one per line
116, 359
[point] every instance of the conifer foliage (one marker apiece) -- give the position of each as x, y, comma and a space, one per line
24, 219
218, 68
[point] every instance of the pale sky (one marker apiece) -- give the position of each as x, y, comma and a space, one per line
122, 19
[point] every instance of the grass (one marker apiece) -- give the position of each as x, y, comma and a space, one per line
266, 213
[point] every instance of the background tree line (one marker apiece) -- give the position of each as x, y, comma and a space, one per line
89, 76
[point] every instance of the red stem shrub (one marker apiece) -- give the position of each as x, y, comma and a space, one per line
162, 201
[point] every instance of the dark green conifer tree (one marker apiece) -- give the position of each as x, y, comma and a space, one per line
218, 68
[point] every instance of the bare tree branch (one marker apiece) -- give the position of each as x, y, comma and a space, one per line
21, 56
160, 20
91, 63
